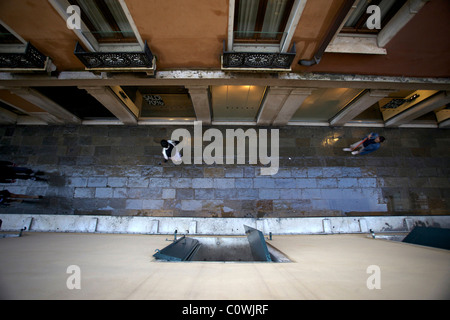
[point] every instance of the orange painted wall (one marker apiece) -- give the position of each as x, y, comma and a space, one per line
420, 49
39, 23
189, 34
182, 33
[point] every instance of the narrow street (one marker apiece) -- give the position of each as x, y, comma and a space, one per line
119, 170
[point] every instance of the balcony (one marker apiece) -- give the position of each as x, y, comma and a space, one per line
31, 60
257, 61
118, 61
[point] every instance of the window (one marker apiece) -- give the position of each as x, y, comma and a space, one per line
357, 21
106, 20
262, 21
355, 37
106, 25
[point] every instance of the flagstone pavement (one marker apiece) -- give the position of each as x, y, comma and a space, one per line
119, 170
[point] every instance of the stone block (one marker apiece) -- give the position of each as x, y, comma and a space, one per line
243, 183
285, 183
120, 193
84, 193
78, 181
263, 182
191, 205
138, 182
159, 182
117, 182
152, 204
327, 183
168, 193
234, 172
306, 183
103, 193
269, 194
97, 182
224, 183
181, 182
183, 194
133, 204
204, 194
247, 194
347, 182
211, 172
201, 183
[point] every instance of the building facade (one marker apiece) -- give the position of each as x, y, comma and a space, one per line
233, 62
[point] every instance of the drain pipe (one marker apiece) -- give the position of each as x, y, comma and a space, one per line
330, 34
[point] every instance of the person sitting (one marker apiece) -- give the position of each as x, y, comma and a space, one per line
369, 144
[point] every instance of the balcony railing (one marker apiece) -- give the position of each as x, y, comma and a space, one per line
29, 60
117, 61
257, 61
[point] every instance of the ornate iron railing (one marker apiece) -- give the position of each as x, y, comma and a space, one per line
31, 59
116, 61
258, 61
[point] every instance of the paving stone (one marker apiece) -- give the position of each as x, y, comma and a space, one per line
225, 193
234, 172
181, 182
78, 181
327, 183
306, 183
285, 183
103, 192
144, 193
138, 182
84, 192
120, 193
291, 194
247, 194
169, 193
97, 182
211, 172
315, 172
152, 204
367, 182
269, 193
202, 183
133, 204
117, 181
263, 182
159, 182
191, 205
204, 194
184, 194
223, 183
116, 170
243, 183
347, 182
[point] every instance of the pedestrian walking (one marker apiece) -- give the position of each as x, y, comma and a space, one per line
7, 197
9, 172
170, 151
367, 145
